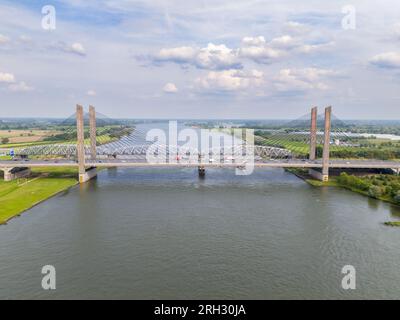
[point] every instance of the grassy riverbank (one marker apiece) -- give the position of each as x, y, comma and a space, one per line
377, 186
21, 194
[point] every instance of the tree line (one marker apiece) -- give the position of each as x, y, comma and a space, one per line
376, 186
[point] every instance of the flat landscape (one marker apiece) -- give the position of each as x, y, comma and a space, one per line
21, 194
199, 151
22, 136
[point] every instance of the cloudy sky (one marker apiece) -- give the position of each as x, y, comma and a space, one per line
201, 59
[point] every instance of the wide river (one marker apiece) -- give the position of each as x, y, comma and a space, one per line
167, 234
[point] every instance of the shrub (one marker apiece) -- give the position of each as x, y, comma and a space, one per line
397, 197
5, 140
375, 191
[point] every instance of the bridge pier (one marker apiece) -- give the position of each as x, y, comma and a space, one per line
316, 174
201, 168
202, 171
89, 174
15, 173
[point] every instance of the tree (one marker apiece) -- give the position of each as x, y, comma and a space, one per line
5, 140
375, 191
397, 197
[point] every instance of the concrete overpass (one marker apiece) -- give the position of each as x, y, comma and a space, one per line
316, 164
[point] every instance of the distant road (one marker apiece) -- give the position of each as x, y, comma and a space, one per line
361, 164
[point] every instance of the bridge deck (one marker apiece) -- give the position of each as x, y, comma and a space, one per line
360, 164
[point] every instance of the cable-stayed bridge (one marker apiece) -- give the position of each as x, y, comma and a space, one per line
91, 140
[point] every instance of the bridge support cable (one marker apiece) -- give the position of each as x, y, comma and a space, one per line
80, 139
313, 134
93, 135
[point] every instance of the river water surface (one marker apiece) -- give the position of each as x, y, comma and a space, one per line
164, 233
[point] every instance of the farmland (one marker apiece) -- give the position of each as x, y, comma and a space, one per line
354, 148
19, 138
25, 136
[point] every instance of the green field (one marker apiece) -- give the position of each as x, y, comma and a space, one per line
297, 147
19, 195
101, 139
379, 149
27, 144
104, 135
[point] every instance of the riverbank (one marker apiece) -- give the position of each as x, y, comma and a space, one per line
381, 187
22, 194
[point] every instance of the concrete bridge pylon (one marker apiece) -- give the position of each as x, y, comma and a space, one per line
324, 174
327, 141
85, 174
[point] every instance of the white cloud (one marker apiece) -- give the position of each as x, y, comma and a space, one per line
257, 49
260, 51
91, 93
212, 57
4, 39
178, 54
294, 27
217, 22
170, 88
10, 80
285, 41
75, 48
302, 79
20, 87
78, 49
390, 60
298, 45
230, 80
253, 41
260, 54
221, 57
217, 57
312, 48
7, 77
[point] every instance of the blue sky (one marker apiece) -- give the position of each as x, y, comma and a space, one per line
200, 59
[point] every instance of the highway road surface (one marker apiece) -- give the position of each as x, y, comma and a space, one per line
292, 163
